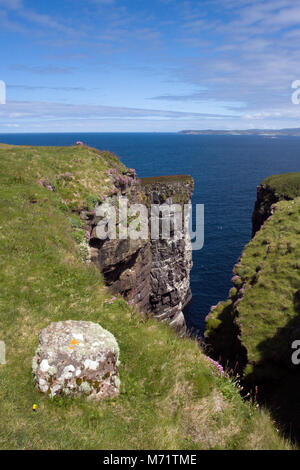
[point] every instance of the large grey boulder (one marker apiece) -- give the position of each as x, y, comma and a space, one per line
77, 358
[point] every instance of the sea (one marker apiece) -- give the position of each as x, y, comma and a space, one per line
226, 170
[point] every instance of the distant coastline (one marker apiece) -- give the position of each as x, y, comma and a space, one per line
263, 132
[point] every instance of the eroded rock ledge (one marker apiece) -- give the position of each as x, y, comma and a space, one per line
171, 260
153, 274
263, 208
272, 190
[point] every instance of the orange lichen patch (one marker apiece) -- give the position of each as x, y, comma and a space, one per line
73, 342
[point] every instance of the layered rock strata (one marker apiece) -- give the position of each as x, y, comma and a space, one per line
153, 274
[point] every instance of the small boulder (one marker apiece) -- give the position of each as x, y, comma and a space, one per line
77, 358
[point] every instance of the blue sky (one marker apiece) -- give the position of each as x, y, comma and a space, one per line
159, 65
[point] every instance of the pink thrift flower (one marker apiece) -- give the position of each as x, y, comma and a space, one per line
219, 367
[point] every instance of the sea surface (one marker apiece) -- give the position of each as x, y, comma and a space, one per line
226, 170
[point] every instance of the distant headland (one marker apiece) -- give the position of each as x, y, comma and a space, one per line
262, 132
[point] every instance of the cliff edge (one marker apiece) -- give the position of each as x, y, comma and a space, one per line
254, 329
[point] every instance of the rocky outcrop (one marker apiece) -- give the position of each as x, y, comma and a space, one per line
171, 258
152, 274
77, 358
273, 189
263, 208
124, 263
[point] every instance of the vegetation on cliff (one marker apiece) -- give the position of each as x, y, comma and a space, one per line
285, 186
172, 396
256, 326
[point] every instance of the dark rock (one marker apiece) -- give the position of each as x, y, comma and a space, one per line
263, 207
154, 274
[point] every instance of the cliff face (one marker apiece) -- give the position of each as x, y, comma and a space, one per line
263, 207
171, 259
273, 189
153, 274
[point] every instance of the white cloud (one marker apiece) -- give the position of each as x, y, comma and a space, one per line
41, 70
57, 117
11, 4
9, 25
241, 54
43, 20
59, 111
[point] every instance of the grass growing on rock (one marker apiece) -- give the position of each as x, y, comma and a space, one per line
171, 397
286, 185
261, 318
269, 265
267, 312
168, 179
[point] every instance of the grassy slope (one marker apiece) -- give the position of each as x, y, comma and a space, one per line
269, 271
171, 396
267, 313
271, 261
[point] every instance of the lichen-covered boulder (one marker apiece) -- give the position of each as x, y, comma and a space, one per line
77, 358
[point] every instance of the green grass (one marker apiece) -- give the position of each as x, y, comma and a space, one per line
286, 185
271, 264
259, 321
171, 396
267, 314
165, 179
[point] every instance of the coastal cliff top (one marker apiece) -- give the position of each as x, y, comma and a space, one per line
78, 175
264, 301
166, 179
286, 185
269, 268
171, 397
